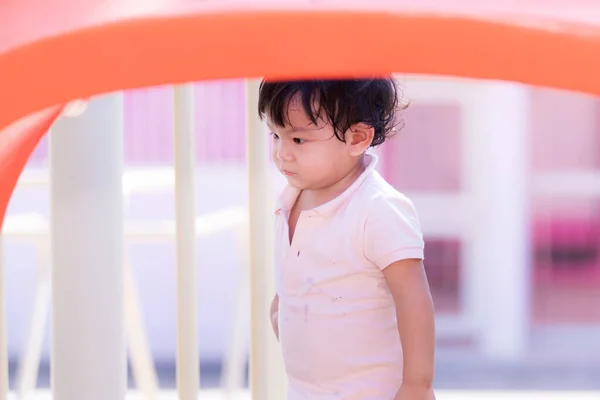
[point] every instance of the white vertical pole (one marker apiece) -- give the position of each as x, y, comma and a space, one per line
140, 355
188, 364
496, 276
267, 378
30, 358
3, 330
234, 368
88, 334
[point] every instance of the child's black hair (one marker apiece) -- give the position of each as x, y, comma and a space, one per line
342, 103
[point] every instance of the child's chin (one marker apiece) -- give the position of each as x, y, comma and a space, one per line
297, 183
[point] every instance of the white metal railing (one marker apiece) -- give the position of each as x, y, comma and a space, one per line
443, 214
188, 365
3, 330
574, 184
34, 228
267, 380
184, 230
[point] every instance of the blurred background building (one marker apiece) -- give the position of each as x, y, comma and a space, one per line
511, 221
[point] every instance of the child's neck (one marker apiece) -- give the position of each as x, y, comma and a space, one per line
314, 198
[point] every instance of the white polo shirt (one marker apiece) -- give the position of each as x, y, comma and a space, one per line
337, 318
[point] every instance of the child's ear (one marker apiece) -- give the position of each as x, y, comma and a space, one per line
359, 137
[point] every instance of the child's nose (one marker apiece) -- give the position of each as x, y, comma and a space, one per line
284, 152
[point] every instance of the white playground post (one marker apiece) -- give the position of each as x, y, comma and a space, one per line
233, 372
496, 179
188, 366
267, 378
88, 332
29, 361
3, 330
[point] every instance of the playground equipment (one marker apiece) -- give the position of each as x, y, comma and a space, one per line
66, 50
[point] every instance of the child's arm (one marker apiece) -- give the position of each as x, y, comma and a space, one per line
393, 241
274, 315
414, 310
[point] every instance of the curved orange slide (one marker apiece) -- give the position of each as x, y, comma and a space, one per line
53, 51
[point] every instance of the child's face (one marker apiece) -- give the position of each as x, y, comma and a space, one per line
310, 156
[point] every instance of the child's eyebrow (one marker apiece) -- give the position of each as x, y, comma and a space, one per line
294, 129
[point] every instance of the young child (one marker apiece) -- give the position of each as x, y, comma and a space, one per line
353, 312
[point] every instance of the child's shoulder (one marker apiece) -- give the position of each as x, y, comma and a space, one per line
376, 195
389, 228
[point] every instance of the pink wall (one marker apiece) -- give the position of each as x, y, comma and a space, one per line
220, 124
148, 125
565, 130
424, 156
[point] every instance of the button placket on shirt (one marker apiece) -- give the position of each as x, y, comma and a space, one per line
292, 258
282, 249
303, 227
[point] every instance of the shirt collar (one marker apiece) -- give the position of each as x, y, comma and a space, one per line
290, 194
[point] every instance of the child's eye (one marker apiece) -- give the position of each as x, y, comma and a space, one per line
298, 140
275, 136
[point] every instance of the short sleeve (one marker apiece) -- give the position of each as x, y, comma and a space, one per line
392, 231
